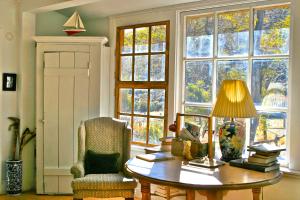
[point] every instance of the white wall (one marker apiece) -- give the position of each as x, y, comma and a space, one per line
294, 91
19, 103
9, 63
26, 97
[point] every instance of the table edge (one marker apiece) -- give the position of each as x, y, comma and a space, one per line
204, 187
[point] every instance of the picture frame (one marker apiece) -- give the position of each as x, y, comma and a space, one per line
9, 82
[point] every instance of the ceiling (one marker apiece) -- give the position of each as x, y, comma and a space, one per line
104, 8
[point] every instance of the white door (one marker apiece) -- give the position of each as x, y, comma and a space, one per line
66, 103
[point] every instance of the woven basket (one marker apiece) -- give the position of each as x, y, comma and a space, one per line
197, 149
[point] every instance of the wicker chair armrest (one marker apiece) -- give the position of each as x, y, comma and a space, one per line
78, 169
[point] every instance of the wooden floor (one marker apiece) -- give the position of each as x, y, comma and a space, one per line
32, 196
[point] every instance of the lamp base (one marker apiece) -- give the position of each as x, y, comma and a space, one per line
232, 140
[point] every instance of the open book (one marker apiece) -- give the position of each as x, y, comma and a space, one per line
265, 148
152, 157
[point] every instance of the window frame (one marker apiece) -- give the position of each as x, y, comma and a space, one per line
142, 84
182, 16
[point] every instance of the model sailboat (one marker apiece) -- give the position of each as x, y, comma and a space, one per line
74, 24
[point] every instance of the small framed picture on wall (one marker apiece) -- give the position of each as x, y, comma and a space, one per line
9, 82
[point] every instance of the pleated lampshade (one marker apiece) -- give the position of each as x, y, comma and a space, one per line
234, 100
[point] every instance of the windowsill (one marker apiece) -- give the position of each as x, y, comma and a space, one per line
137, 148
290, 172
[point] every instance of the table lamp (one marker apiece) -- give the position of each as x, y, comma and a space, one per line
233, 101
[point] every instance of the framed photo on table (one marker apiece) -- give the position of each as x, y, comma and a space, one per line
9, 82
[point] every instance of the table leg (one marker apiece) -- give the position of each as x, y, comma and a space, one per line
214, 195
190, 194
145, 189
256, 193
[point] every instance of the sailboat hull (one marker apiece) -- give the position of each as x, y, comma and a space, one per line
73, 31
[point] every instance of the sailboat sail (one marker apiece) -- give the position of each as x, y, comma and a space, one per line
74, 24
80, 22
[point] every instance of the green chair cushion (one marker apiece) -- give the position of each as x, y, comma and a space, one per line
97, 163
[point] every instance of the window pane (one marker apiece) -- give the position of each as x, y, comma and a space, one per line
199, 36
139, 129
158, 38
125, 100
233, 33
198, 81
127, 119
156, 130
269, 127
141, 68
126, 68
272, 30
231, 69
197, 110
126, 40
157, 67
141, 39
269, 82
141, 101
157, 102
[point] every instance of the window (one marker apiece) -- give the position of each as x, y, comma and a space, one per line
142, 80
251, 44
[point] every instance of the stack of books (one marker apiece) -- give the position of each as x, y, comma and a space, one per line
264, 158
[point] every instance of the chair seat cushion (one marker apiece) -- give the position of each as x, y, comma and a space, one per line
103, 182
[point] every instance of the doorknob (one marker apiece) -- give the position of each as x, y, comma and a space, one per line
42, 120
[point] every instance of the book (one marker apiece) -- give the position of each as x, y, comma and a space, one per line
266, 154
205, 162
152, 157
265, 148
257, 155
263, 164
242, 163
262, 160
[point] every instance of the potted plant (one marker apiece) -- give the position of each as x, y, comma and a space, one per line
14, 166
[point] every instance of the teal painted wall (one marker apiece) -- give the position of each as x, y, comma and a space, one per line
50, 24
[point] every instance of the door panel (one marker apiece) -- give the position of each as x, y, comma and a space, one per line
81, 103
66, 115
51, 121
51, 184
51, 60
82, 60
94, 98
64, 183
66, 60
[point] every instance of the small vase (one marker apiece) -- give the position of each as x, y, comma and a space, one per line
13, 176
232, 140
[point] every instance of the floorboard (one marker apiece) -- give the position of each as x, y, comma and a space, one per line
32, 196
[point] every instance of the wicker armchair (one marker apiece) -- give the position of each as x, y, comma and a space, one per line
103, 135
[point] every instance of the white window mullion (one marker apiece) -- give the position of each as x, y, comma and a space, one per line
250, 57
215, 55
250, 54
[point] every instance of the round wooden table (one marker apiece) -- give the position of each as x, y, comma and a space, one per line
210, 182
